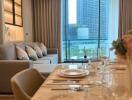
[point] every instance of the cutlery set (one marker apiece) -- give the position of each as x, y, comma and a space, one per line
66, 81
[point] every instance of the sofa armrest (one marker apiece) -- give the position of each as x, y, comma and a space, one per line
9, 68
15, 63
52, 51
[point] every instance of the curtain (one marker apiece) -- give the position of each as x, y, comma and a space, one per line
2, 21
125, 16
47, 17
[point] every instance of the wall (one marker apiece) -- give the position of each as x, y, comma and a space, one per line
27, 20
11, 32
14, 33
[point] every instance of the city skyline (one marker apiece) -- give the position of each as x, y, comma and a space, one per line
87, 17
82, 29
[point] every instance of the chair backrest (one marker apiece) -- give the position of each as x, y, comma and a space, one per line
26, 83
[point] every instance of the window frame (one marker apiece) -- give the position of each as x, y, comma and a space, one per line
14, 14
67, 47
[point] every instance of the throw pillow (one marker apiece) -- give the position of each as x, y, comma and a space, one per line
21, 54
31, 53
43, 49
38, 50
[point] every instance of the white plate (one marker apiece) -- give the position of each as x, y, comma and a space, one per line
73, 73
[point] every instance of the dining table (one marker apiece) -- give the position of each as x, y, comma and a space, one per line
100, 82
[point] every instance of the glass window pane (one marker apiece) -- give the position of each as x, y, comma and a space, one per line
86, 27
18, 12
18, 20
8, 11
18, 2
72, 11
18, 9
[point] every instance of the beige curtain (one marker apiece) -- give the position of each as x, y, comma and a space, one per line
125, 16
1, 21
47, 16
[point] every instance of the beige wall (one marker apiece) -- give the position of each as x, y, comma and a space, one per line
13, 33
19, 33
27, 20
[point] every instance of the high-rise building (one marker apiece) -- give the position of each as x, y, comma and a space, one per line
88, 17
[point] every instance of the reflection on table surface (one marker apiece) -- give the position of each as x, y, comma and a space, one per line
109, 82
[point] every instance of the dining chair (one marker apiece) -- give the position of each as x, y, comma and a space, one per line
25, 83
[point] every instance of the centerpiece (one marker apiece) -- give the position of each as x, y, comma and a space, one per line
121, 45
120, 49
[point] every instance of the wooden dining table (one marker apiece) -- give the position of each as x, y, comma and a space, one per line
112, 83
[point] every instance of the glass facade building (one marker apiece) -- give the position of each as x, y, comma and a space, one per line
90, 30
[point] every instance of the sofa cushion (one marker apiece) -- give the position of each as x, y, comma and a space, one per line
45, 68
8, 52
21, 45
21, 54
43, 49
38, 50
52, 57
31, 53
39, 61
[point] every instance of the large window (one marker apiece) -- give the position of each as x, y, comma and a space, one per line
87, 28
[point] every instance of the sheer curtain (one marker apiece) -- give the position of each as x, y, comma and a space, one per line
1, 21
113, 24
125, 16
47, 20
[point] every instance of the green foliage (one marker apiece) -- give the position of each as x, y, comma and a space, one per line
119, 47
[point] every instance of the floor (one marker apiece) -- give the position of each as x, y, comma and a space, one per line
7, 97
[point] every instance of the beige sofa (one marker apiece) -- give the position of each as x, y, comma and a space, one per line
9, 65
50, 58
7, 70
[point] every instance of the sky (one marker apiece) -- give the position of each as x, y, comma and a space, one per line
72, 11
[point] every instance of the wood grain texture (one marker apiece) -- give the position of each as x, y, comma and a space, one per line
118, 79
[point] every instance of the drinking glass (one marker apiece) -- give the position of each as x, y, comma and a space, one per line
61, 66
86, 92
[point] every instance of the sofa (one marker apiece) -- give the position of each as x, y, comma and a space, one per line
7, 70
8, 52
10, 65
50, 58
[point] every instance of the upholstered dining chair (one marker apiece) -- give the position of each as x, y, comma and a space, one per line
25, 83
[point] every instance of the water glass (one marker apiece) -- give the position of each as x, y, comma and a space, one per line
86, 92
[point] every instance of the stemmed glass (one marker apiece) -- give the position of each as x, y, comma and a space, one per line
101, 75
